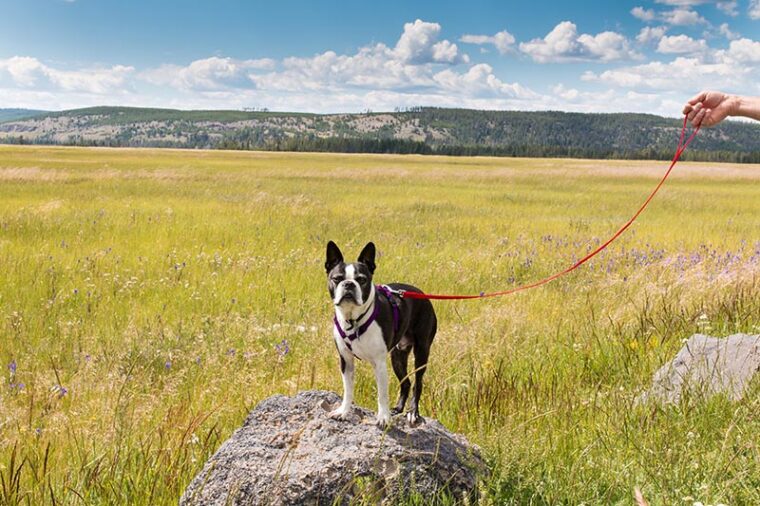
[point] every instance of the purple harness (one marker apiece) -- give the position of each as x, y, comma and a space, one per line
356, 334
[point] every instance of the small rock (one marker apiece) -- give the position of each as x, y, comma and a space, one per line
289, 451
706, 366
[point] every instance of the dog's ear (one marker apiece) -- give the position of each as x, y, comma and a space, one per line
367, 256
333, 257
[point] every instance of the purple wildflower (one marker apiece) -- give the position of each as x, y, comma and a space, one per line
62, 391
12, 367
168, 365
231, 352
282, 348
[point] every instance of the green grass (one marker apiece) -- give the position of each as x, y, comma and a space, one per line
154, 286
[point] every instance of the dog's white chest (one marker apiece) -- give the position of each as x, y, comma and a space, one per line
370, 346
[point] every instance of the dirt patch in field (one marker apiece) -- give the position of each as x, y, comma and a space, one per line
572, 169
32, 174
657, 169
49, 207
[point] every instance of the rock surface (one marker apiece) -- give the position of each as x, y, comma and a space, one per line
289, 451
707, 366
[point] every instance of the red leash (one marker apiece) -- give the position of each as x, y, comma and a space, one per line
679, 151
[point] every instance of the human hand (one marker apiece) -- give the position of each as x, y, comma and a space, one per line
709, 108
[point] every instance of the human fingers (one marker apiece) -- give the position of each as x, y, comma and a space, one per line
694, 111
698, 98
699, 118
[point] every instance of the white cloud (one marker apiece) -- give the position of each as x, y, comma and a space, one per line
24, 71
29, 73
729, 8
682, 17
727, 32
419, 44
419, 64
208, 74
480, 81
753, 10
742, 51
671, 75
563, 44
680, 44
650, 34
643, 14
503, 41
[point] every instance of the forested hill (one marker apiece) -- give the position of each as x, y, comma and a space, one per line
11, 114
419, 130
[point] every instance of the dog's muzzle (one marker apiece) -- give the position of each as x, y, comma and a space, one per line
348, 292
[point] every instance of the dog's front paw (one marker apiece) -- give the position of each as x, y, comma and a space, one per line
413, 418
383, 420
341, 413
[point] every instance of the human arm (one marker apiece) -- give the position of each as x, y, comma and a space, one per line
708, 108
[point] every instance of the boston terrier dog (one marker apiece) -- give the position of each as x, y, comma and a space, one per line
372, 320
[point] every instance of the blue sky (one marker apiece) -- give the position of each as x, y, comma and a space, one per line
332, 56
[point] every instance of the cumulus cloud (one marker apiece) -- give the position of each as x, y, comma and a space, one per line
643, 14
754, 9
564, 44
419, 44
208, 74
650, 34
503, 41
479, 80
680, 44
681, 15
729, 8
727, 32
742, 51
672, 75
29, 73
420, 63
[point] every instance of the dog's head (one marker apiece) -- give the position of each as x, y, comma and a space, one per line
350, 284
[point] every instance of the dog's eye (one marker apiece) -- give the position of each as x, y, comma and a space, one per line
336, 279
362, 280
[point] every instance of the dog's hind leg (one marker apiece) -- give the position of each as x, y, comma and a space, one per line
421, 353
399, 359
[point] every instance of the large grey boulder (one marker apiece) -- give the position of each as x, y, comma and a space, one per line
289, 451
706, 366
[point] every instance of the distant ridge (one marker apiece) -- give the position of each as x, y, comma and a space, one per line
13, 114
420, 130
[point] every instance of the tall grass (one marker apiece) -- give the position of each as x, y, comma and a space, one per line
149, 299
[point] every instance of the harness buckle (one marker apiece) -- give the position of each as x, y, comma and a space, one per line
398, 292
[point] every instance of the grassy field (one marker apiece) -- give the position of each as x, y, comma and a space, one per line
150, 298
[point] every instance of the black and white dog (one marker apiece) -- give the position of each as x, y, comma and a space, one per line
372, 320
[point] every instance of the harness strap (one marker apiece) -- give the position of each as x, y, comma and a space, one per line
388, 292
357, 333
